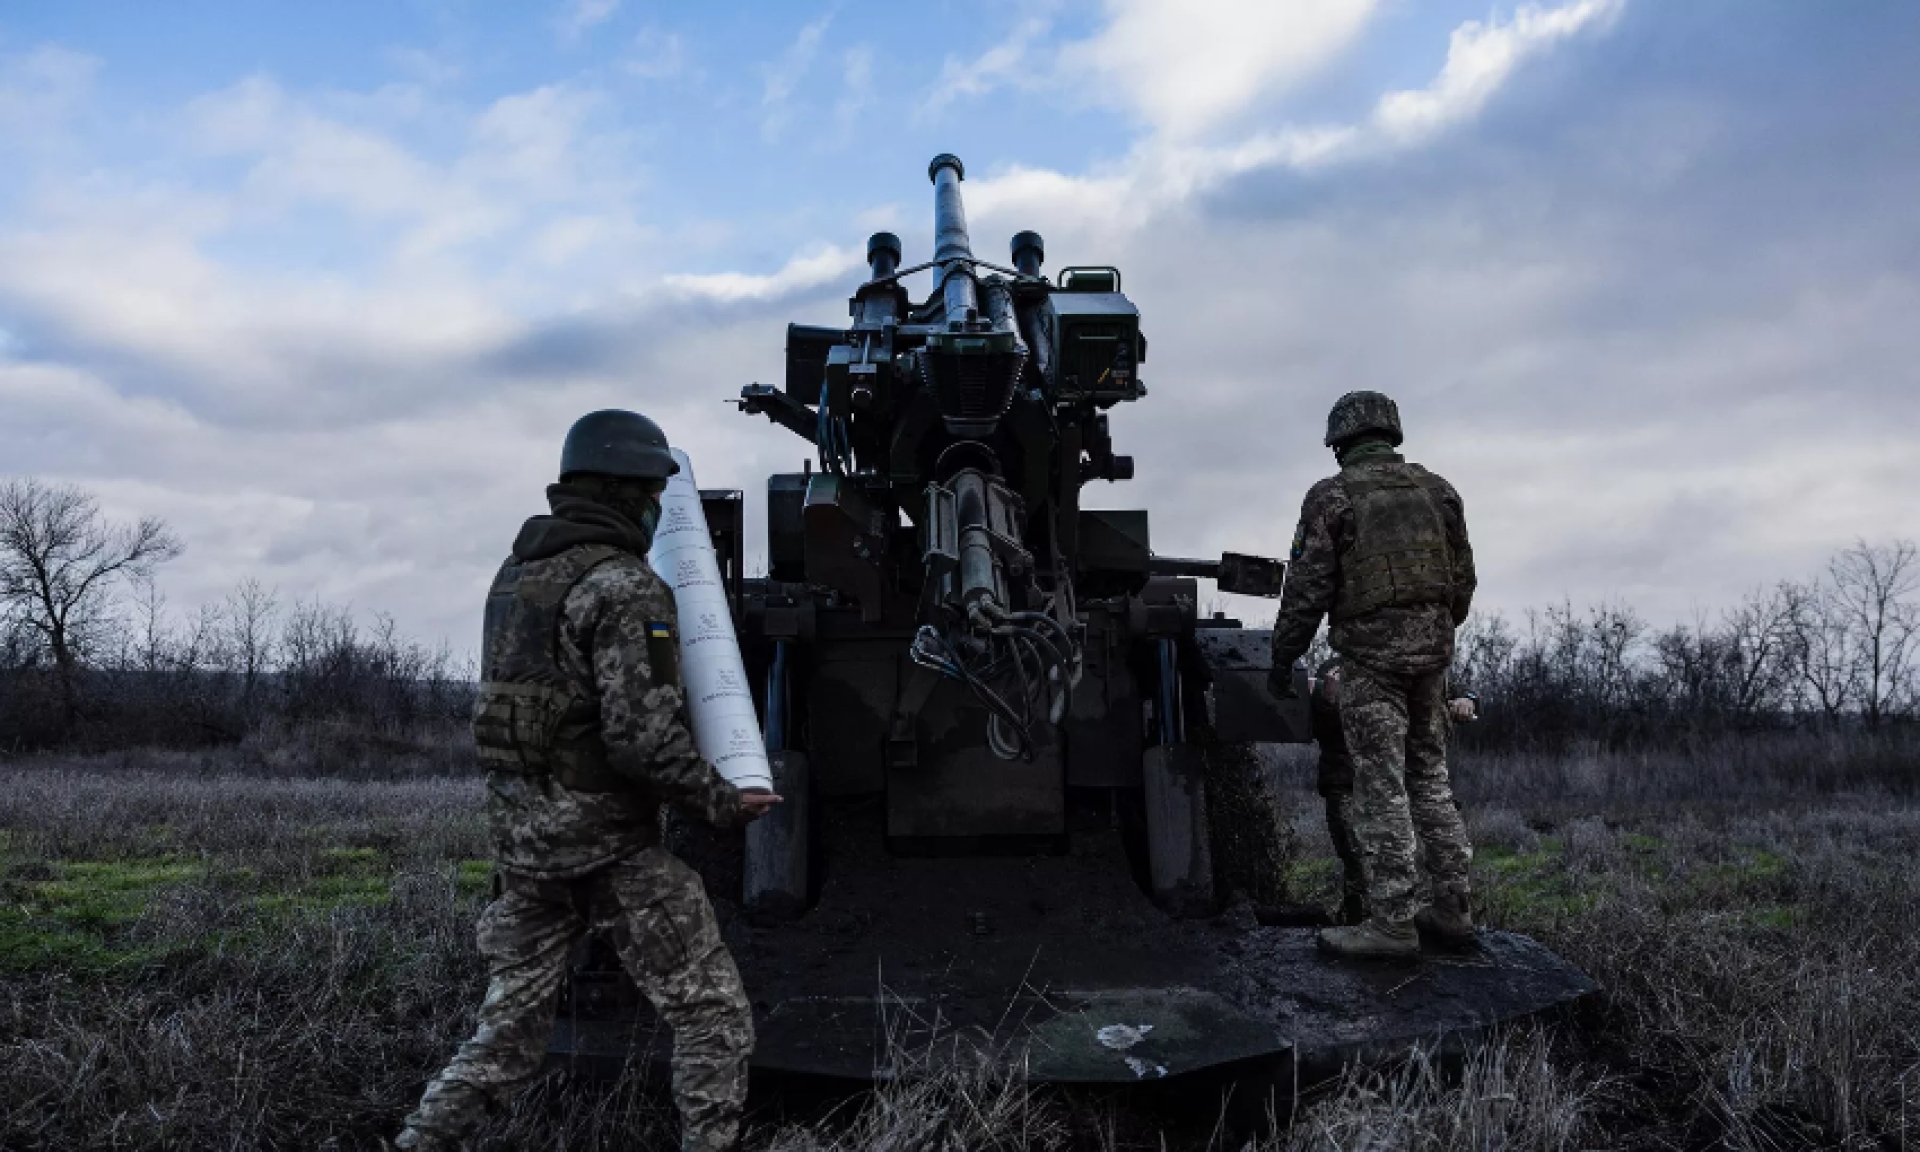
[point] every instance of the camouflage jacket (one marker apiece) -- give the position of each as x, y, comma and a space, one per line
1394, 638
614, 647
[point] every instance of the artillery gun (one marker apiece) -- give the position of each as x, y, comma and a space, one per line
1016, 758
946, 627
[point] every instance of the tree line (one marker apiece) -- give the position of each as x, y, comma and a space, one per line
1837, 652
92, 655
90, 652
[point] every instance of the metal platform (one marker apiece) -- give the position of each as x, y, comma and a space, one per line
1060, 967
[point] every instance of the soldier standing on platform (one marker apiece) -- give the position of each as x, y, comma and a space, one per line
1382, 552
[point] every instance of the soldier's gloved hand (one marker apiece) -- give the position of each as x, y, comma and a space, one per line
1280, 684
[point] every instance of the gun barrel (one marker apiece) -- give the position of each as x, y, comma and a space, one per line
950, 239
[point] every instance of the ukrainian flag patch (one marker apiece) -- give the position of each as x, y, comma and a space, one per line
662, 653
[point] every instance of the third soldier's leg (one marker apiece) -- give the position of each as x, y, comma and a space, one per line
667, 937
1435, 815
1373, 717
1336, 788
525, 936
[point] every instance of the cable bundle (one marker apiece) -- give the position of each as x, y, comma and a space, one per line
1020, 665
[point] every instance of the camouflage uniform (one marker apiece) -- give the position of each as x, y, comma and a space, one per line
1335, 782
1382, 550
580, 726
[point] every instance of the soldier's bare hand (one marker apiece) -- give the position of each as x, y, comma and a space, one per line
1464, 708
757, 802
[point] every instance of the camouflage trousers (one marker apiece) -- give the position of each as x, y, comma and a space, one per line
1396, 734
654, 910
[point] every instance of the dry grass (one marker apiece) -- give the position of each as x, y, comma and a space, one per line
1511, 1093
197, 953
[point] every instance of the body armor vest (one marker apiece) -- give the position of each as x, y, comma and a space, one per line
532, 719
1400, 555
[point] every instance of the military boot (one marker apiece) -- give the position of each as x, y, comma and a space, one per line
1376, 939
415, 1140
1449, 919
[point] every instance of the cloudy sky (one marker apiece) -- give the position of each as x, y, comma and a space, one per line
323, 285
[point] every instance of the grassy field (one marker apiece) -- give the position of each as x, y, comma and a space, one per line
196, 952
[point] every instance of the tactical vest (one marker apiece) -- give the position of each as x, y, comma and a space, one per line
1400, 555
531, 718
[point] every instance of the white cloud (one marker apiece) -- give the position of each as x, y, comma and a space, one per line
536, 139
582, 16
1614, 433
302, 156
819, 265
1480, 57
1186, 67
527, 154
1166, 169
237, 346
783, 77
429, 260
1111, 204
1010, 58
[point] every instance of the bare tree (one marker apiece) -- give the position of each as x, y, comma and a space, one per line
1873, 586
248, 638
1757, 639
1690, 666
152, 637
19, 645
201, 644
319, 657
1484, 647
1822, 655
59, 560
1613, 632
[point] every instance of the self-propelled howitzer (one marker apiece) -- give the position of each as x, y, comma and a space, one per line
1016, 761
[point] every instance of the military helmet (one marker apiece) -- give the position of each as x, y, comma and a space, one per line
1357, 413
613, 442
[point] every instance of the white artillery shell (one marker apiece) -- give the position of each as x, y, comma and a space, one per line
719, 698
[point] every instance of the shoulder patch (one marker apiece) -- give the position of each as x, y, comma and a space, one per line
1299, 540
663, 653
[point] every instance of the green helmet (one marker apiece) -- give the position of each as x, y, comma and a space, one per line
1357, 413
616, 443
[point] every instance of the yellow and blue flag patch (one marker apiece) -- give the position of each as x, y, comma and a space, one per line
662, 653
